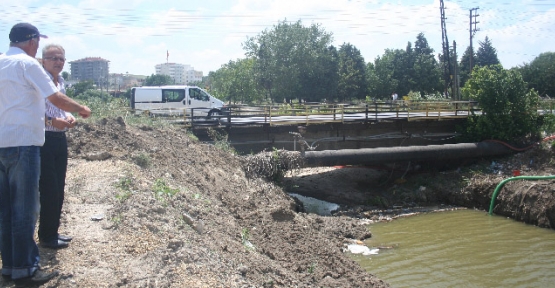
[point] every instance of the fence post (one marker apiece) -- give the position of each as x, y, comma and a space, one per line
342, 113
366, 112
306, 112
376, 111
192, 117
229, 117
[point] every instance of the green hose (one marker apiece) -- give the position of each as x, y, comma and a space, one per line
502, 183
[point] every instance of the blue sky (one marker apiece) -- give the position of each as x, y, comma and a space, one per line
135, 34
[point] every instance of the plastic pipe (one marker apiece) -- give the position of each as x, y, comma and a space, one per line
502, 183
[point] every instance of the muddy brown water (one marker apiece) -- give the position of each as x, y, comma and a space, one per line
463, 248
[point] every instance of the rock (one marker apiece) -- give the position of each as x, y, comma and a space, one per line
99, 156
243, 269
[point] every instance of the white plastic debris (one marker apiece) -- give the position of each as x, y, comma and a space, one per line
361, 249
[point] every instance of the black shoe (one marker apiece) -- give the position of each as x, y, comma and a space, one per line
6, 277
38, 278
54, 244
65, 238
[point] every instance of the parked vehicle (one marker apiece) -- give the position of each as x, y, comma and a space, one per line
175, 100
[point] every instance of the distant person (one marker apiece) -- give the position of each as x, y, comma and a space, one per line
53, 155
24, 86
394, 96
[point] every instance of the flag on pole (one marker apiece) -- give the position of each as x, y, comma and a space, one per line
167, 55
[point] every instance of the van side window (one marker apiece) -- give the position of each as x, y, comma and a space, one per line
171, 95
198, 94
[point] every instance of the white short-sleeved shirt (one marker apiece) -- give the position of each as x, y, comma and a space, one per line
24, 86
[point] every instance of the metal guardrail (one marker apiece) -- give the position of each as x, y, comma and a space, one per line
318, 113
371, 112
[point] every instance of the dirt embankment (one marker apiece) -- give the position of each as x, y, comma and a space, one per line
367, 192
151, 207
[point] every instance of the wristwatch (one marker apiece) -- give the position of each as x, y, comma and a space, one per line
49, 121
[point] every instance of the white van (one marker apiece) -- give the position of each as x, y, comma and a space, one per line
175, 100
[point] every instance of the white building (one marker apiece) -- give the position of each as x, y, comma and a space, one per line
180, 73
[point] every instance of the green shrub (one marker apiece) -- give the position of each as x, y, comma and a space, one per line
509, 108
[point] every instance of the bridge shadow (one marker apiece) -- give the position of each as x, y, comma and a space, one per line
340, 185
361, 185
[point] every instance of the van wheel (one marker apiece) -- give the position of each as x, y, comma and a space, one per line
214, 113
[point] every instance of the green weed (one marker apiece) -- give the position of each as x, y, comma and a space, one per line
143, 160
116, 220
220, 141
312, 267
245, 235
162, 189
125, 186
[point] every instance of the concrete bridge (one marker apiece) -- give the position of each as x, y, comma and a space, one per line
319, 126
361, 135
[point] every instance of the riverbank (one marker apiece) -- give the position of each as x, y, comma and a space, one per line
385, 191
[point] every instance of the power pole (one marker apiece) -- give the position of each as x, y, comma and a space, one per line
446, 56
472, 32
455, 73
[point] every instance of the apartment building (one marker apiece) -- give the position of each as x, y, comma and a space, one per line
180, 73
95, 69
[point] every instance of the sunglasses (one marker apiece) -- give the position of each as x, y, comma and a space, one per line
55, 59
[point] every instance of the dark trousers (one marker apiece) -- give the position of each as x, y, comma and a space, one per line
53, 156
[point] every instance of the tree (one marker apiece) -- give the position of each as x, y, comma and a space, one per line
486, 55
380, 75
426, 73
79, 88
158, 80
540, 74
402, 71
235, 82
290, 60
352, 74
509, 108
465, 65
65, 75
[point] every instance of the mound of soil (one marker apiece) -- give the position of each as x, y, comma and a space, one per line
151, 207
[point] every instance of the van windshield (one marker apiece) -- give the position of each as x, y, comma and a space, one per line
198, 94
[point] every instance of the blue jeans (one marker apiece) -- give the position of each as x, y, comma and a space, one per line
19, 209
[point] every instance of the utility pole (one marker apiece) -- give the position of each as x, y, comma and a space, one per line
446, 56
455, 74
472, 32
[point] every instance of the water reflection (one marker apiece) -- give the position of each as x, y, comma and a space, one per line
463, 248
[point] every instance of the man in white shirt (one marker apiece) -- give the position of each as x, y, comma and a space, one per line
24, 86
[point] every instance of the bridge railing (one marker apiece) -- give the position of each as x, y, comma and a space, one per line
274, 114
313, 113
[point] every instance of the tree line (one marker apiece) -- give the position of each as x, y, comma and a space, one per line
295, 62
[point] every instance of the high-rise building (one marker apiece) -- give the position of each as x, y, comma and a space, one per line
180, 73
95, 69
